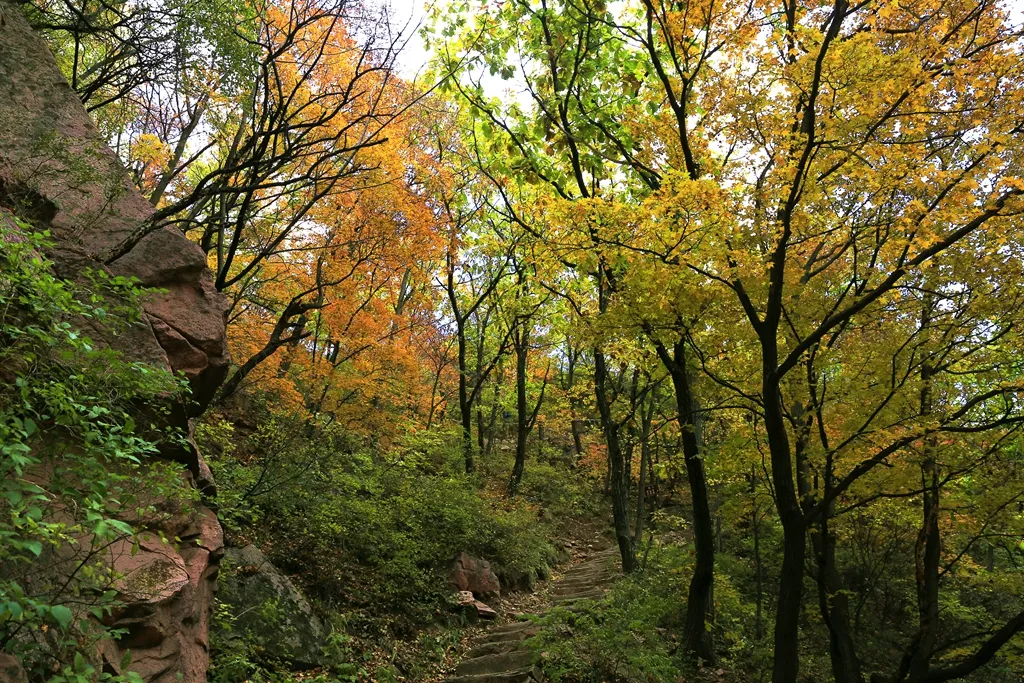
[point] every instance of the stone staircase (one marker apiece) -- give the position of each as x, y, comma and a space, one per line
499, 654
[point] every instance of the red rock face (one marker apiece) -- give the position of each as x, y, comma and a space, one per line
55, 167
10, 670
167, 591
468, 573
57, 170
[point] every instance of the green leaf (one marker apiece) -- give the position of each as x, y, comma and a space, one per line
15, 609
61, 614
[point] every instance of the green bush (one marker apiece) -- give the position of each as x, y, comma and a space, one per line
635, 633
628, 636
364, 532
561, 493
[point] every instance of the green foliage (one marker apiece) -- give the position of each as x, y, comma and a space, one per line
366, 532
562, 493
72, 470
627, 636
239, 655
635, 633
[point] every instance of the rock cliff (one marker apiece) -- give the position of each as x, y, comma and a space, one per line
56, 170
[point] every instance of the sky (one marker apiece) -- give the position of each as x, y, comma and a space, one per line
411, 14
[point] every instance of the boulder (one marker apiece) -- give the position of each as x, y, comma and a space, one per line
11, 670
468, 573
472, 608
57, 171
484, 611
515, 580
269, 610
166, 591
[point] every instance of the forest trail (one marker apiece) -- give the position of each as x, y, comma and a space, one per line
500, 654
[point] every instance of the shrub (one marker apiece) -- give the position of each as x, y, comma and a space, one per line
364, 531
625, 637
634, 634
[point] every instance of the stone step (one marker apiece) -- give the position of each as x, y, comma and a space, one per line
498, 655
495, 648
531, 674
505, 636
595, 594
586, 574
576, 588
583, 576
511, 626
497, 663
601, 565
584, 581
597, 575
586, 590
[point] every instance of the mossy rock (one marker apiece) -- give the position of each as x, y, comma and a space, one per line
269, 611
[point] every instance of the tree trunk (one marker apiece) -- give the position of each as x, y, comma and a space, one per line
575, 426
521, 342
481, 334
834, 604
465, 409
481, 440
645, 458
619, 487
695, 631
577, 437
755, 525
927, 549
786, 662
493, 420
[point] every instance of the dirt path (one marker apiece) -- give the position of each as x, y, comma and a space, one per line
499, 654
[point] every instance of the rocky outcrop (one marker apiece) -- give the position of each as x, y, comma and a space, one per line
468, 573
269, 611
167, 592
57, 171
473, 609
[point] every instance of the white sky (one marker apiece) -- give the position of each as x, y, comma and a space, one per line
409, 16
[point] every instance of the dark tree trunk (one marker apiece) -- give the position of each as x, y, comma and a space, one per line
695, 631
755, 525
521, 341
619, 487
646, 417
482, 333
833, 600
927, 549
577, 437
834, 604
575, 426
481, 440
493, 420
278, 337
465, 407
786, 662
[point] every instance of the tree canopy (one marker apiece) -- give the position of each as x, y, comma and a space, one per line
756, 259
